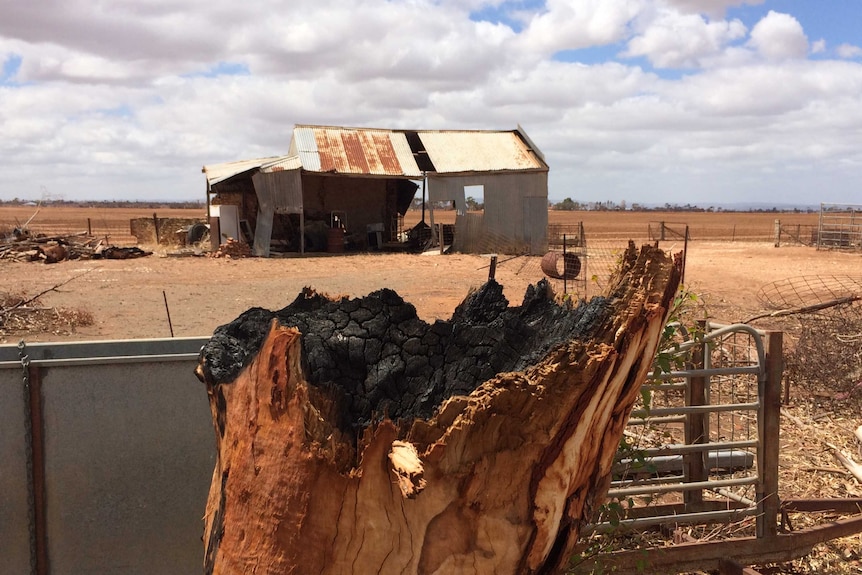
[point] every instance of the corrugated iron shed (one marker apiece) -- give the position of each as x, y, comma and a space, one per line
357, 151
476, 151
216, 173
387, 153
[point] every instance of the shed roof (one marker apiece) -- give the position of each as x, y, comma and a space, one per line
393, 153
282, 164
454, 151
358, 151
216, 173
372, 151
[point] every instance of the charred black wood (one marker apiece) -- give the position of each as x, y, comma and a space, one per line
380, 358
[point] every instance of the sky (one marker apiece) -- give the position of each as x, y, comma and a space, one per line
703, 102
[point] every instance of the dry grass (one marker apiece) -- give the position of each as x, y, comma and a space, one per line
21, 314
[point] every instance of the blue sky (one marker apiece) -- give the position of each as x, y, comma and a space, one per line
651, 101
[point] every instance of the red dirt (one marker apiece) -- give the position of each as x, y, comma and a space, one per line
126, 297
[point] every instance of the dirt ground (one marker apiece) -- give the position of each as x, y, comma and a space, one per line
127, 297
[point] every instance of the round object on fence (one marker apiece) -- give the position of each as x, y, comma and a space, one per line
335, 240
549, 265
571, 263
571, 266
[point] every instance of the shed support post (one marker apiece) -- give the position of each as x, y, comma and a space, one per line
302, 232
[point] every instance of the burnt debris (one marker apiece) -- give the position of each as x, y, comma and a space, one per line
381, 359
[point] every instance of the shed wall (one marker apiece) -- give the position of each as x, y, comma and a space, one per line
516, 208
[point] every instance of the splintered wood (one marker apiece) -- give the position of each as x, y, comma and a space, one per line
497, 480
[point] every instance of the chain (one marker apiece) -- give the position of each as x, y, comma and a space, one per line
25, 364
28, 440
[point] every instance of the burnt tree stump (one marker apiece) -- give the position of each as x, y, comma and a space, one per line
355, 438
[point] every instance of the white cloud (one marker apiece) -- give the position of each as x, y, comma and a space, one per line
818, 46
713, 8
674, 40
116, 101
848, 51
779, 36
573, 24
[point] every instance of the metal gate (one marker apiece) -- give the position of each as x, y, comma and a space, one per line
840, 227
700, 447
107, 451
703, 448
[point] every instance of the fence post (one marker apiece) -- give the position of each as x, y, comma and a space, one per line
156, 227
695, 425
777, 233
768, 429
820, 227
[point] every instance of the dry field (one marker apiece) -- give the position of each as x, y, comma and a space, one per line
126, 297
99, 221
614, 226
730, 257
600, 226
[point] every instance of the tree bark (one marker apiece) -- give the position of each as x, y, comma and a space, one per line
498, 479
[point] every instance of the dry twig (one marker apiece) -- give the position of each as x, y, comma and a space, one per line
846, 461
807, 308
24, 302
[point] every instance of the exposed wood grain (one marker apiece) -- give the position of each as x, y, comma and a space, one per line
496, 481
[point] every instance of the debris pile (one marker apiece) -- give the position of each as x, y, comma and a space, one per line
20, 245
232, 248
21, 314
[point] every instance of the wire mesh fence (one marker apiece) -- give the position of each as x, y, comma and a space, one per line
840, 227
827, 330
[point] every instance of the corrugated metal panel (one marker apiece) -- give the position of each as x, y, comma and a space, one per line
283, 164
357, 151
458, 152
306, 148
281, 191
515, 218
216, 173
403, 153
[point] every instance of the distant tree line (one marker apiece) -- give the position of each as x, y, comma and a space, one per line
473, 205
188, 205
569, 204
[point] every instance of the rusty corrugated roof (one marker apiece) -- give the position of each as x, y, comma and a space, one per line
479, 151
376, 152
359, 151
